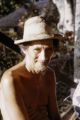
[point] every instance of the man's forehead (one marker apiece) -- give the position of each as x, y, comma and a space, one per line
34, 46
39, 42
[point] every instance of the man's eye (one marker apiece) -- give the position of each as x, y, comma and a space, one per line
37, 50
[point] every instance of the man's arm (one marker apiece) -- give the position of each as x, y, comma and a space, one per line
12, 106
52, 106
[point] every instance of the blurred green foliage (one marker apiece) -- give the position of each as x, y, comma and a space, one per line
8, 6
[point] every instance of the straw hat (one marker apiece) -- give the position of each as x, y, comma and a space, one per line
35, 28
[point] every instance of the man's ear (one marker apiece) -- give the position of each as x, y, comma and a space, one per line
23, 49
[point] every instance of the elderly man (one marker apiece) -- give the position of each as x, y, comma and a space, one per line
28, 89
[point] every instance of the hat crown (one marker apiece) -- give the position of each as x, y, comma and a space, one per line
35, 28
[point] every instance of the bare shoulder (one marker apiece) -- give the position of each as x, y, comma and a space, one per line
9, 75
6, 80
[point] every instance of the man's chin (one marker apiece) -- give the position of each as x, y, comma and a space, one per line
41, 69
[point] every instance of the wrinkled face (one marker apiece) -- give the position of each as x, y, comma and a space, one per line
37, 55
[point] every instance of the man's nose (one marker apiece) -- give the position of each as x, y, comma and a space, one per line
42, 55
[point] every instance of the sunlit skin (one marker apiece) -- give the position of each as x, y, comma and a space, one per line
30, 85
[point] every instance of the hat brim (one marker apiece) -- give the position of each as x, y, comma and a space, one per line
23, 41
56, 36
